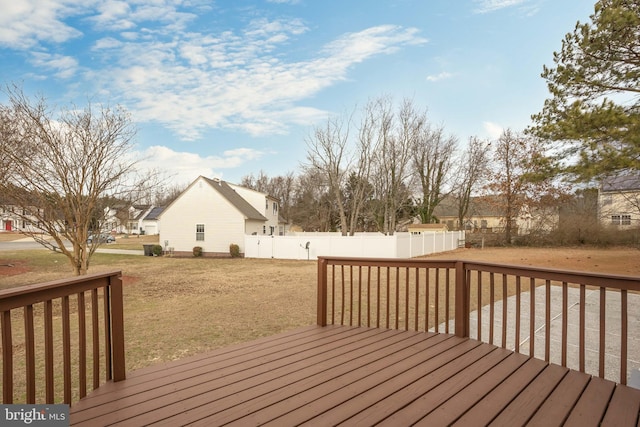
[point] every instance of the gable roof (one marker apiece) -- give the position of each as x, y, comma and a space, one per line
622, 182
154, 213
235, 199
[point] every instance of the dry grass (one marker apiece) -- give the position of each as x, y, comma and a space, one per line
176, 307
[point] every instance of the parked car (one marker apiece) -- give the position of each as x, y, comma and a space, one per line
101, 238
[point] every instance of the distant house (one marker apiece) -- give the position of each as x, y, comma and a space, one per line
123, 218
151, 222
213, 214
619, 200
482, 216
486, 216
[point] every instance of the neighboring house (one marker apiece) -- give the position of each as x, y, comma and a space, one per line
485, 216
127, 219
15, 218
482, 216
619, 200
151, 223
213, 214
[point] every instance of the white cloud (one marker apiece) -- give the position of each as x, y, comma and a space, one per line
188, 166
25, 23
493, 130
64, 67
485, 6
195, 82
441, 76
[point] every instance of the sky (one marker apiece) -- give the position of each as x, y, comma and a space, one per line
228, 88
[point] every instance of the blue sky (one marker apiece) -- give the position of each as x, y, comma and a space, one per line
231, 87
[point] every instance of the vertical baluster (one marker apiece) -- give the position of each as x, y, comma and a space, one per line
378, 299
517, 347
30, 353
66, 350
582, 327
333, 294
107, 333
532, 316
95, 338
547, 321
565, 321
48, 351
417, 301
479, 306
7, 358
603, 328
343, 293
447, 297
388, 295
351, 295
436, 301
427, 306
82, 345
504, 311
369, 296
359, 295
491, 306
623, 336
406, 299
397, 284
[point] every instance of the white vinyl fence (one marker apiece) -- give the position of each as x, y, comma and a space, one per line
362, 245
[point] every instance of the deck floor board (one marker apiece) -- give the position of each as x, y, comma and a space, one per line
357, 376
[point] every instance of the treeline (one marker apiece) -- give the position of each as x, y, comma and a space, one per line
381, 166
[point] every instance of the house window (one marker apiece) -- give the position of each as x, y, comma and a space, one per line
615, 219
271, 230
275, 209
264, 229
200, 232
625, 219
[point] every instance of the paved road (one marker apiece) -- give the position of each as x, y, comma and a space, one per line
24, 244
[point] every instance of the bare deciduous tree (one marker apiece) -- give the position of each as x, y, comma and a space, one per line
433, 164
515, 160
472, 168
391, 163
63, 165
328, 154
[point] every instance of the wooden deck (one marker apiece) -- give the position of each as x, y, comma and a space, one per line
359, 376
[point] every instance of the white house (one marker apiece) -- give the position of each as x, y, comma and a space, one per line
213, 214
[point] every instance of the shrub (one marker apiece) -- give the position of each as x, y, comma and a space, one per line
156, 250
197, 251
234, 250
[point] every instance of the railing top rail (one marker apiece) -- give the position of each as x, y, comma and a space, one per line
32, 294
388, 262
615, 281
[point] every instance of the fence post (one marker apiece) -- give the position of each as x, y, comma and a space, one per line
322, 292
462, 302
117, 328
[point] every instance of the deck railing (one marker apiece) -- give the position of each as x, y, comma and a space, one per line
576, 319
72, 331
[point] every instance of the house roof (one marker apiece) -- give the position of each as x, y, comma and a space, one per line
235, 199
483, 206
154, 213
621, 182
427, 227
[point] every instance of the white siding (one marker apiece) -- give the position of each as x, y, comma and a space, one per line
262, 204
201, 204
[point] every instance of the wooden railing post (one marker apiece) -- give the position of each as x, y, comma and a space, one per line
322, 292
117, 328
462, 302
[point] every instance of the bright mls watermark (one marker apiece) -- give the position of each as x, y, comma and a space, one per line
34, 415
